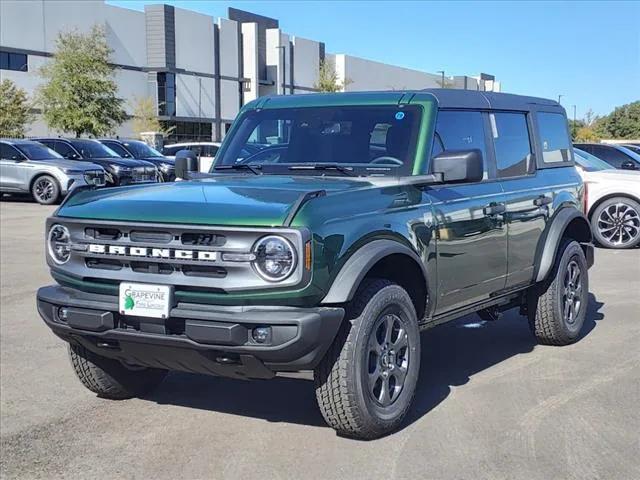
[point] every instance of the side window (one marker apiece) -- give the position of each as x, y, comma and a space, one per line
119, 149
512, 145
460, 131
209, 150
7, 152
610, 155
171, 150
48, 143
63, 149
554, 137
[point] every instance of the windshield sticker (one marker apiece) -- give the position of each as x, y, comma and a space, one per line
399, 115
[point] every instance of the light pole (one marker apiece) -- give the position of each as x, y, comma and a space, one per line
284, 70
559, 97
442, 81
574, 129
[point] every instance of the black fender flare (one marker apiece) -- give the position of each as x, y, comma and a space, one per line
352, 273
549, 243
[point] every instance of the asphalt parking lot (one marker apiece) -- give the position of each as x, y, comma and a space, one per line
491, 403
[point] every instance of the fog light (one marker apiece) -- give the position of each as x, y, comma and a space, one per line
63, 314
261, 334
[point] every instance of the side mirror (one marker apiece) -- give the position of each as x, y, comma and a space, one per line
628, 165
186, 161
72, 156
459, 166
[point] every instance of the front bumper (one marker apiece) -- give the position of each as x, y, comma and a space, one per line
196, 338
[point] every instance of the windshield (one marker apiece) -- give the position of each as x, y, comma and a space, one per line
35, 151
93, 149
590, 163
142, 150
365, 140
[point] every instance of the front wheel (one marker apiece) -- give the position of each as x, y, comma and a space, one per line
111, 379
45, 190
366, 382
558, 306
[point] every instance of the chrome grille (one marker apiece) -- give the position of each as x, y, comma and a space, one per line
144, 174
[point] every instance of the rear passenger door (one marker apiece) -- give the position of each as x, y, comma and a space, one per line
470, 232
527, 195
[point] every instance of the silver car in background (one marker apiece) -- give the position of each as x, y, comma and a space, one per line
30, 167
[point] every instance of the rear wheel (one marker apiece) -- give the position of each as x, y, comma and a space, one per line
558, 306
367, 380
45, 190
111, 379
616, 223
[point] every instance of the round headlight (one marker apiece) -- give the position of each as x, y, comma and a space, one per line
59, 244
275, 258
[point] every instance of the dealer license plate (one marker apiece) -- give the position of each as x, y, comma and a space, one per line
145, 300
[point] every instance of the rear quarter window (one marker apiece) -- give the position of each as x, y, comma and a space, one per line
554, 137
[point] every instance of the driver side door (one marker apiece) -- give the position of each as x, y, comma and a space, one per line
471, 235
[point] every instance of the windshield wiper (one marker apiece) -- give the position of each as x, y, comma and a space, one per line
324, 166
241, 166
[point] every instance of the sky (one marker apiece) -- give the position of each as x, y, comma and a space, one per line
588, 52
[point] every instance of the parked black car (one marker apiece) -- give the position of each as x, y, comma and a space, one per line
141, 151
120, 171
615, 155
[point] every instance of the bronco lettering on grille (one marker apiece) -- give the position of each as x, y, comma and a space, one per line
169, 253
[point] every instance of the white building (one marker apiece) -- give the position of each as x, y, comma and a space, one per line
198, 69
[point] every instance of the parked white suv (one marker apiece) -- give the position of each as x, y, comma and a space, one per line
205, 151
613, 201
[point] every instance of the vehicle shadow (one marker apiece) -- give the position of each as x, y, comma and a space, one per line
17, 197
451, 355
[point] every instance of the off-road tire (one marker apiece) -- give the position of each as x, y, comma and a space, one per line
341, 379
630, 223
547, 307
111, 379
52, 194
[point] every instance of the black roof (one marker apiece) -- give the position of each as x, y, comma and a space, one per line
18, 141
455, 98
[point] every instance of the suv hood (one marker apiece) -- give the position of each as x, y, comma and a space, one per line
67, 164
226, 199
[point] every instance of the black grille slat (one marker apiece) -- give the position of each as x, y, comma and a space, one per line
203, 239
204, 271
103, 233
104, 264
150, 237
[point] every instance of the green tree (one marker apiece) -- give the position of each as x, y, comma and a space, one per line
328, 79
575, 126
586, 134
79, 94
15, 110
145, 117
622, 123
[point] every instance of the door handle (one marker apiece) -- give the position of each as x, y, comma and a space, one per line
542, 200
494, 209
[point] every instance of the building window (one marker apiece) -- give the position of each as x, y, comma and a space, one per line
188, 132
166, 94
13, 61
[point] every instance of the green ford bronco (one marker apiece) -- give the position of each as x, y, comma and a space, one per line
331, 230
